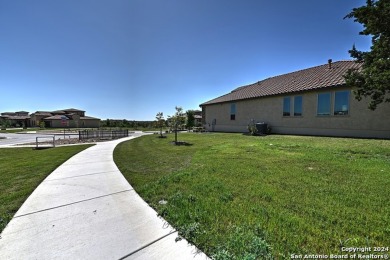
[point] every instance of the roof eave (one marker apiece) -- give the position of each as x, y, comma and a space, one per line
273, 95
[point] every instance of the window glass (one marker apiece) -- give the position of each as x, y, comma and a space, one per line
286, 106
298, 106
323, 105
233, 112
232, 109
341, 103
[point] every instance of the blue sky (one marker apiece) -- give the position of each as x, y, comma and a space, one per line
129, 59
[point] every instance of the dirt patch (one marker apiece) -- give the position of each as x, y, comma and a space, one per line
66, 141
181, 143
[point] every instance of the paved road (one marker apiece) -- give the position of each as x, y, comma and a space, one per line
14, 139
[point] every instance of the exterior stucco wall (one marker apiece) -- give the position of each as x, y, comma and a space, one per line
361, 122
36, 120
89, 123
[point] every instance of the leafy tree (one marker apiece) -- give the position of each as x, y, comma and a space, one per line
125, 123
252, 127
3, 124
160, 121
177, 120
373, 80
190, 119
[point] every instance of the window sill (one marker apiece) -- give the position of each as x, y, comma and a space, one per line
340, 116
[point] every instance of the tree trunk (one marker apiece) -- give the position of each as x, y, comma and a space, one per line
176, 134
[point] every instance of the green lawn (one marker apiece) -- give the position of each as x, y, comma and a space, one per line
22, 170
242, 197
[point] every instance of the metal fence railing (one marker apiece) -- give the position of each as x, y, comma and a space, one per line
45, 144
102, 134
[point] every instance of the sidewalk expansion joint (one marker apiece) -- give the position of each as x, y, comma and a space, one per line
68, 204
147, 245
82, 175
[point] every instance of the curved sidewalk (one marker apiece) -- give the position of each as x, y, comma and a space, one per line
86, 209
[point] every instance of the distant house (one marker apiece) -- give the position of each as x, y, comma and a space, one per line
313, 101
38, 116
64, 118
16, 119
198, 117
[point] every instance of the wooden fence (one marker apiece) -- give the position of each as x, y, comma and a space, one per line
102, 134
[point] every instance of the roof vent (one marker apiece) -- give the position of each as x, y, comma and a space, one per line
330, 63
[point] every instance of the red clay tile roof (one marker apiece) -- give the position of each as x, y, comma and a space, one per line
42, 113
60, 117
302, 80
72, 110
57, 112
56, 117
16, 117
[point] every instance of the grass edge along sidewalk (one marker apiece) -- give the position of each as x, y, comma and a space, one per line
237, 196
22, 170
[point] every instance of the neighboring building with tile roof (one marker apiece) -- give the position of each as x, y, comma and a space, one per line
313, 101
198, 117
64, 118
70, 117
16, 119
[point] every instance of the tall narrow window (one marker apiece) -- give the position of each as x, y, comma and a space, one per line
286, 106
298, 106
323, 104
341, 103
232, 111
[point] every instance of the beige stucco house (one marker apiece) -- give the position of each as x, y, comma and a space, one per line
16, 119
313, 101
64, 118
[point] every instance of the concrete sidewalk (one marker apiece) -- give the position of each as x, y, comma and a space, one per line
86, 209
